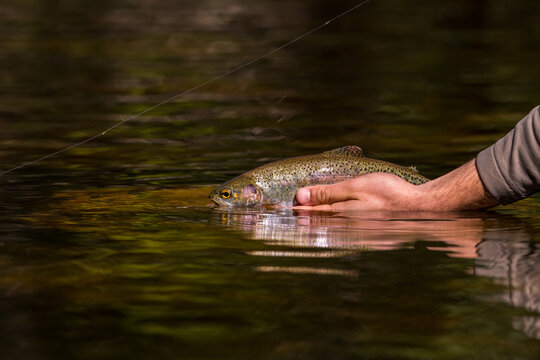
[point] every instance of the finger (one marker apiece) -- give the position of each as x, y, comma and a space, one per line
316, 208
324, 194
339, 206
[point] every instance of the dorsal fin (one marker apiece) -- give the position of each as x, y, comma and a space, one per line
350, 150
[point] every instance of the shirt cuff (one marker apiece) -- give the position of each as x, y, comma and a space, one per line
493, 179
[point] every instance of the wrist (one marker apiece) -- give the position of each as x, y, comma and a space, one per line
458, 190
427, 197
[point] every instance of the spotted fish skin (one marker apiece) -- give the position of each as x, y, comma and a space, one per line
276, 183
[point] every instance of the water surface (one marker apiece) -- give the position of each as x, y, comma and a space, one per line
111, 250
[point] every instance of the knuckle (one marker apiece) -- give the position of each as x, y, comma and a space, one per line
321, 195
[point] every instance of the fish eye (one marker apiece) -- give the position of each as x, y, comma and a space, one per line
225, 193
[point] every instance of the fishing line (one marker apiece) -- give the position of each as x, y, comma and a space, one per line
229, 72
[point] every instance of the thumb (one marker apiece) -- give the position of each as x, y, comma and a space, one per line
322, 194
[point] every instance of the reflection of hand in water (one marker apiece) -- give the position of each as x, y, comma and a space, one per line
383, 230
360, 231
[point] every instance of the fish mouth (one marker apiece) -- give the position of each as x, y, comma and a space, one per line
219, 203
216, 202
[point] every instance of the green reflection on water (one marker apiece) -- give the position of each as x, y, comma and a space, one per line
111, 250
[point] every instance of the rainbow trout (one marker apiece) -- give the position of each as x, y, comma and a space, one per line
276, 183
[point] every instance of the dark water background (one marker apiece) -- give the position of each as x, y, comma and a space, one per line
110, 250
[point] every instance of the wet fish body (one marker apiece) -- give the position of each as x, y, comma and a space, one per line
276, 183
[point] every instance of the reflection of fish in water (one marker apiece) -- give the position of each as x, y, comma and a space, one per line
276, 183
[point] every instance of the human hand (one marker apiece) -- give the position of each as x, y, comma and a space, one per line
460, 189
375, 191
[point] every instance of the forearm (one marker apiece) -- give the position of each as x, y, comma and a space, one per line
460, 189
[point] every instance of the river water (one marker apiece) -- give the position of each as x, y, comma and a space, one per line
111, 250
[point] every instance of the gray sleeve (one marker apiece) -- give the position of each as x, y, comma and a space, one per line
510, 168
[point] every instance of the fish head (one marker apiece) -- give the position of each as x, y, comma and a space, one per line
235, 194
